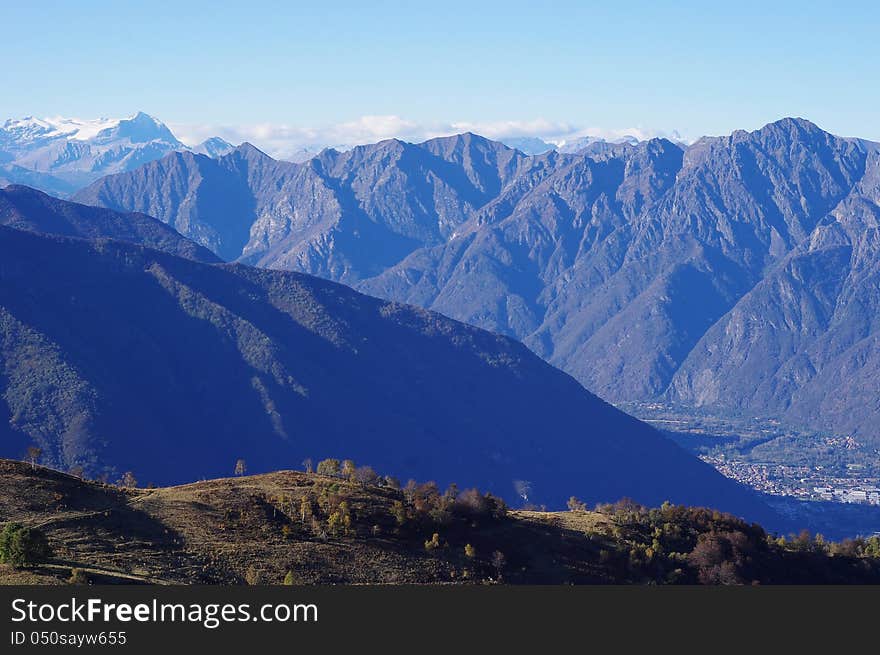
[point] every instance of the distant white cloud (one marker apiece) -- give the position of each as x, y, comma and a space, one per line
295, 142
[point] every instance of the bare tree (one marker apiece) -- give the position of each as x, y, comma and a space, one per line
128, 480
240, 467
523, 489
33, 455
576, 505
498, 561
305, 509
366, 475
308, 465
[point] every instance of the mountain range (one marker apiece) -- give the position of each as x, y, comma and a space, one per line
737, 274
116, 356
61, 155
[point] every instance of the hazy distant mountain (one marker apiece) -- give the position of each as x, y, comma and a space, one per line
60, 155
638, 268
581, 143
300, 155
11, 174
213, 147
530, 145
28, 209
537, 146
118, 357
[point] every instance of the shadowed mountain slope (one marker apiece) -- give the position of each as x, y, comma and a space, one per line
24, 208
117, 357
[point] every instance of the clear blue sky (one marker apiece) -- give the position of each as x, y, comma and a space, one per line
684, 65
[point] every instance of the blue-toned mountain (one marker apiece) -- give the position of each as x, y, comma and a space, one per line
117, 357
633, 266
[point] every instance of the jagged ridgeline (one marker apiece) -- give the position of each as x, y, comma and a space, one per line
737, 274
115, 357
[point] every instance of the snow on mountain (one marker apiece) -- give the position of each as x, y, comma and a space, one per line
30, 129
60, 155
213, 147
140, 128
579, 144
536, 145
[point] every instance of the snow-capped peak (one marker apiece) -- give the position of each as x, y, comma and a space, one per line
60, 154
213, 147
139, 128
78, 129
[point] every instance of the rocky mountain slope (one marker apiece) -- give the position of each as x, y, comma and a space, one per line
344, 216
116, 357
615, 267
212, 202
805, 338
638, 268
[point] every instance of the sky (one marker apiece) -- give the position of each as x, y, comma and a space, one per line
285, 74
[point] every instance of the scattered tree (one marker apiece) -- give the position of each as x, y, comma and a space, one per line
78, 576
306, 510
498, 562
433, 543
128, 480
318, 529
253, 576
575, 505
398, 511
469, 551
307, 465
33, 456
329, 467
523, 489
366, 476
21, 546
339, 522
240, 467
289, 579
